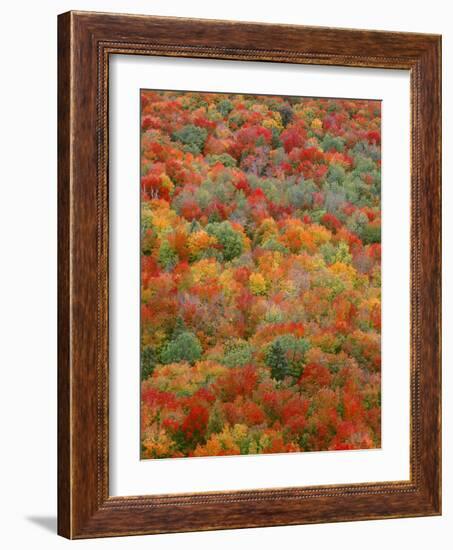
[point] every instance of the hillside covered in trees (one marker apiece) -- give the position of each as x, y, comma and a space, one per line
260, 274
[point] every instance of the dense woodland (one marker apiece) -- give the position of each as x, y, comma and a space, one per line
260, 274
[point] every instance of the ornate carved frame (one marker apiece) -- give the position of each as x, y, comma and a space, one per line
85, 42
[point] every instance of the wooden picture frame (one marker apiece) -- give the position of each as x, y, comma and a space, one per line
85, 42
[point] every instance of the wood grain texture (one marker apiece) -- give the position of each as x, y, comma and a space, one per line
86, 40
64, 368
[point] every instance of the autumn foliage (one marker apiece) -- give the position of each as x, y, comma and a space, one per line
260, 274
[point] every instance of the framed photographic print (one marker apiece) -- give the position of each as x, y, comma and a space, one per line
249, 275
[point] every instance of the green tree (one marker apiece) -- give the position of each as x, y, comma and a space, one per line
231, 241
330, 142
286, 356
328, 252
225, 159
167, 256
342, 253
276, 360
286, 113
371, 234
216, 420
147, 362
192, 137
184, 347
225, 107
295, 350
237, 353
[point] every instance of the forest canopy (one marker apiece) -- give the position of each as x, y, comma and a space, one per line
260, 274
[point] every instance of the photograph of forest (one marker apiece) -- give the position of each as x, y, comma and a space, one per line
260, 274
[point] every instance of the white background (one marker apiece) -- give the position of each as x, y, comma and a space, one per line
28, 275
128, 474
